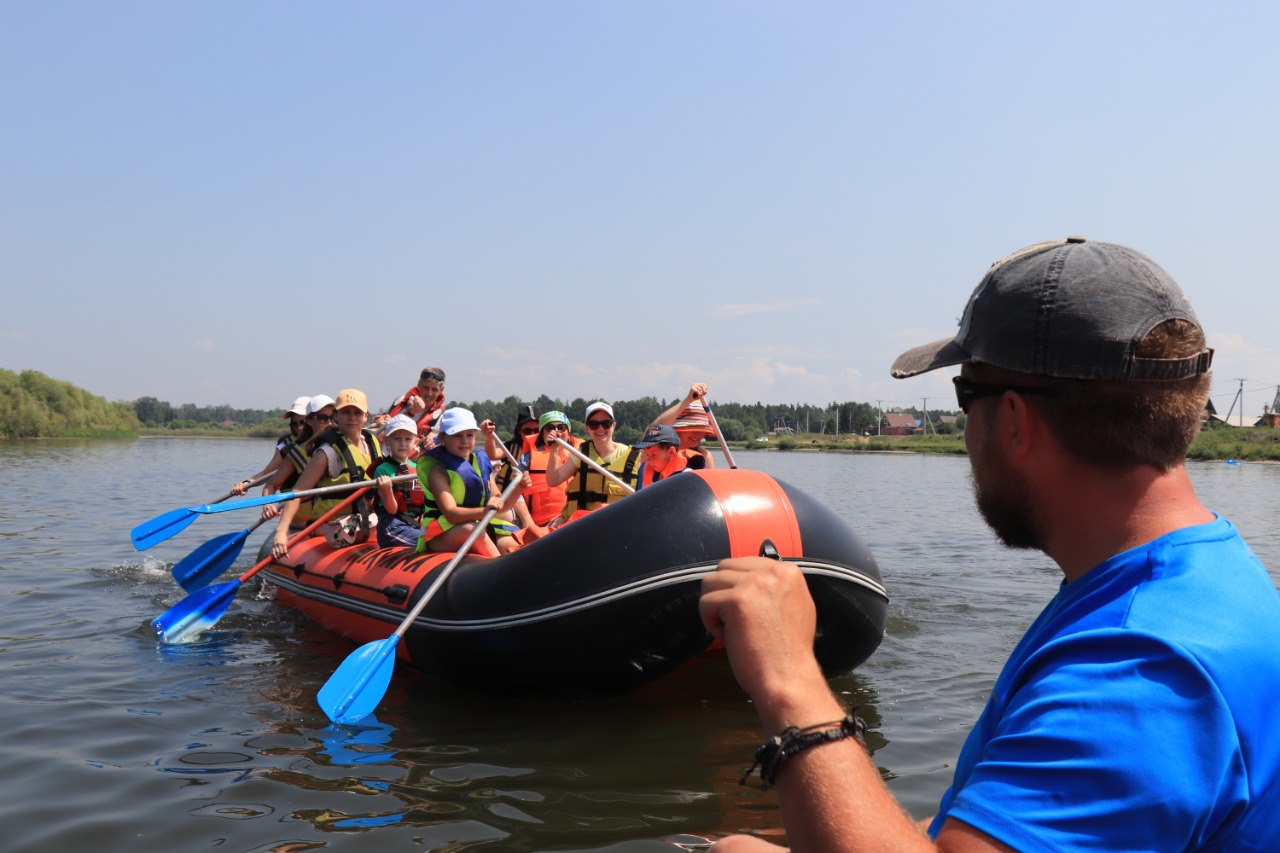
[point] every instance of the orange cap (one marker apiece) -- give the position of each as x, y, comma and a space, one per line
351, 397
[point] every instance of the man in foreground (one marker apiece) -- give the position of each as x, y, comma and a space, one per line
1134, 714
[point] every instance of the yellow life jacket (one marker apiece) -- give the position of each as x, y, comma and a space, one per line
355, 467
591, 490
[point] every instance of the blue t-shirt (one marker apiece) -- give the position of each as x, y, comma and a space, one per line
1136, 713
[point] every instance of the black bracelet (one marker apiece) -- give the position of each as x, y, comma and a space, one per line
770, 754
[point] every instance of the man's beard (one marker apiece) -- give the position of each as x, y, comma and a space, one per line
1005, 502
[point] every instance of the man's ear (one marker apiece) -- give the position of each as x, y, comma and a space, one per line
1023, 427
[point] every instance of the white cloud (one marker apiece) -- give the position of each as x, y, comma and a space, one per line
741, 309
398, 358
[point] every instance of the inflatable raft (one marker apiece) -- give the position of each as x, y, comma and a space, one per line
604, 604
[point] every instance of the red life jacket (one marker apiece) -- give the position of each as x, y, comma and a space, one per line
426, 420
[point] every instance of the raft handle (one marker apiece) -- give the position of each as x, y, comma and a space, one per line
396, 593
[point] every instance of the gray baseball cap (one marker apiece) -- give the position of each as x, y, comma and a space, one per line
1069, 308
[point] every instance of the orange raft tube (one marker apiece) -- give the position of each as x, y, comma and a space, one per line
604, 604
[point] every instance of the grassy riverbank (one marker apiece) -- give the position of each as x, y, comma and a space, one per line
1224, 442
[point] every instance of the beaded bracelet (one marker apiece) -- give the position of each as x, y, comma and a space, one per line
770, 754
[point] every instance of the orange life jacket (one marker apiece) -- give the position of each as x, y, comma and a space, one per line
649, 476
545, 502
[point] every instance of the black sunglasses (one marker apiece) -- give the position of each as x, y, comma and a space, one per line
323, 418
605, 424
967, 392
529, 430
431, 374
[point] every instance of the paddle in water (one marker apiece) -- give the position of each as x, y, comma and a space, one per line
206, 564
202, 608
175, 521
358, 685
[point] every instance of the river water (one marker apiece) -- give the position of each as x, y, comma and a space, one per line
112, 741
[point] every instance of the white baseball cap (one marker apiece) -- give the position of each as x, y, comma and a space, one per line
455, 421
318, 402
598, 407
399, 423
299, 406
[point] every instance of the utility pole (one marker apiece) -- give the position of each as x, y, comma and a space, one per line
1240, 399
837, 420
928, 423
879, 415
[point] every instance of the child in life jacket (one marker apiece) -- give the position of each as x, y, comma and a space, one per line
400, 520
662, 456
459, 488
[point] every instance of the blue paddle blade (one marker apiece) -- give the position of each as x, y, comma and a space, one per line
358, 685
243, 503
195, 613
206, 564
161, 527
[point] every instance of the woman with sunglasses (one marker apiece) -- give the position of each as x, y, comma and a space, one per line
544, 500
287, 446
590, 490
320, 416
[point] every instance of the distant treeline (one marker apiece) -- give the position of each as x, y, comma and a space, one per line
738, 421
34, 406
157, 414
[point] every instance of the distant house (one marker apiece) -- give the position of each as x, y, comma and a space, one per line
898, 423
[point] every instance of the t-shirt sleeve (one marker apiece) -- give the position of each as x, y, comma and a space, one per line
1115, 735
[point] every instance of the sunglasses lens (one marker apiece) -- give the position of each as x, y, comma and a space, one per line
599, 424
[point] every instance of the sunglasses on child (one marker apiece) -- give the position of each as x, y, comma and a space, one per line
529, 430
604, 424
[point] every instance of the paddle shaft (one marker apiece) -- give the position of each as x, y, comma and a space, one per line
724, 445
256, 481
281, 497
608, 475
303, 533
510, 460
481, 526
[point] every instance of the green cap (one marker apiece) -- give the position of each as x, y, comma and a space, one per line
552, 417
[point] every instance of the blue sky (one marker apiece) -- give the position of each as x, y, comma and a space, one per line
241, 202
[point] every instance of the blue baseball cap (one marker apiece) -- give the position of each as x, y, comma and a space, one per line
659, 434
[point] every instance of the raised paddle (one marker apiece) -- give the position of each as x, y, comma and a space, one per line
206, 564
358, 685
724, 445
593, 463
202, 608
175, 521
